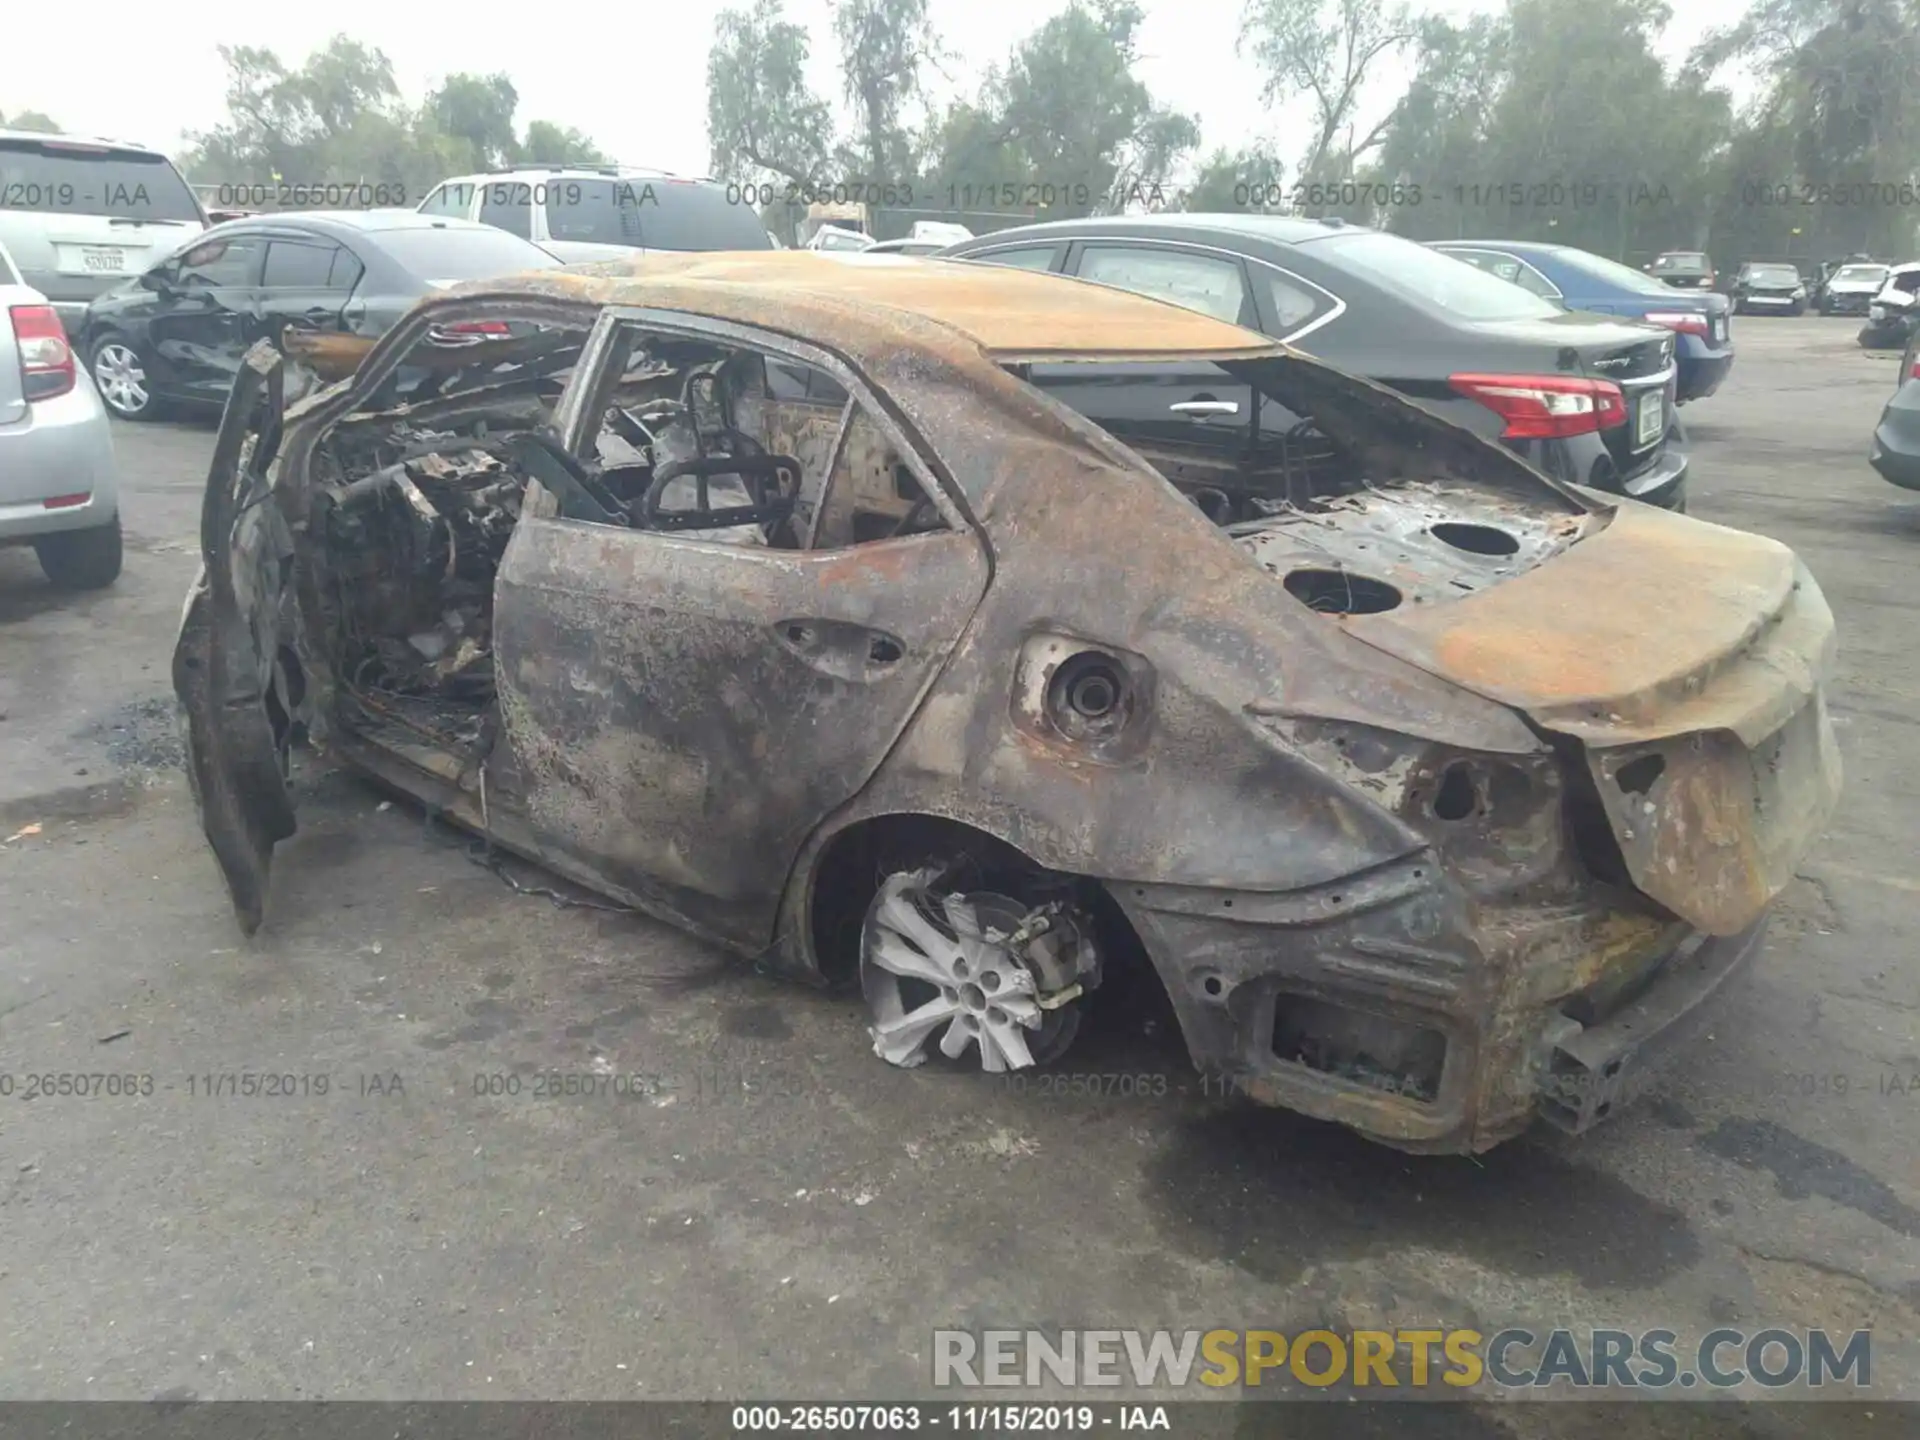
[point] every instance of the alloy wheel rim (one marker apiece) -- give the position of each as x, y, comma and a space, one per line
978, 994
121, 378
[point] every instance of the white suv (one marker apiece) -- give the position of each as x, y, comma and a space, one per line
81, 215
601, 213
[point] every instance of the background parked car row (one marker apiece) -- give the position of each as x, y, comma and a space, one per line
1577, 362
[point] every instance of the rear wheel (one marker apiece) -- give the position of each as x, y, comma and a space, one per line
120, 376
81, 559
973, 970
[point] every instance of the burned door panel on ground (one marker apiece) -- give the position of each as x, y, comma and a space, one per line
681, 712
227, 666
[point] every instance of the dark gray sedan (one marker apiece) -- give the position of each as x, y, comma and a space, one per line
1896, 440
175, 334
1584, 397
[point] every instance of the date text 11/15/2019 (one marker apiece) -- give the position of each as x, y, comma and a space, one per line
1464, 195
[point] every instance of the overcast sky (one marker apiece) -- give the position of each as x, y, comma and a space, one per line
632, 77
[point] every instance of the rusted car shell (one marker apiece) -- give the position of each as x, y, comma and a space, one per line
1257, 858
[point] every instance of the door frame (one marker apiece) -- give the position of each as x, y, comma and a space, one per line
577, 417
576, 422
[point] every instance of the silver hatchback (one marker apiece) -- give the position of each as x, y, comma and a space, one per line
58, 487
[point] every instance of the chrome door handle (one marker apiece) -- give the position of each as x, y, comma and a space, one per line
1205, 407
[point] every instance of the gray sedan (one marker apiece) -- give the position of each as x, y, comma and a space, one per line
1896, 440
58, 487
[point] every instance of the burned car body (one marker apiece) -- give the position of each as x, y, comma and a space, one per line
1430, 807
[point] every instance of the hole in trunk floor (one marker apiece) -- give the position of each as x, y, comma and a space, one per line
1475, 539
1341, 592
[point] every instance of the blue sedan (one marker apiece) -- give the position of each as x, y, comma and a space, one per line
1580, 280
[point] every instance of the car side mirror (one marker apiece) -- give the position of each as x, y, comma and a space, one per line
157, 281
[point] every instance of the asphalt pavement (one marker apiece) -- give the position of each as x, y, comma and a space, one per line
755, 1205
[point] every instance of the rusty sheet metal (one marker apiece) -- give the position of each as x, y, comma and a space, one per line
331, 356
650, 694
683, 714
1711, 828
1658, 625
334, 356
1012, 314
1395, 534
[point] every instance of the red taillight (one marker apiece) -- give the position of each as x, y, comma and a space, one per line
1685, 322
1914, 372
1546, 407
66, 502
46, 360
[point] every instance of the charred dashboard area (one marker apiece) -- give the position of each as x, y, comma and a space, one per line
414, 499
413, 548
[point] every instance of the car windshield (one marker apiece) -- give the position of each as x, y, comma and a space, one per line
1681, 264
1613, 272
657, 214
1785, 274
433, 253
1430, 278
78, 179
1874, 274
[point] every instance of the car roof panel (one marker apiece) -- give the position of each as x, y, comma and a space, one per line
1013, 315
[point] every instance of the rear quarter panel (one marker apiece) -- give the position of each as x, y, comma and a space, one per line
12, 405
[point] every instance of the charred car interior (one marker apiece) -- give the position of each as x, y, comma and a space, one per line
774, 601
416, 503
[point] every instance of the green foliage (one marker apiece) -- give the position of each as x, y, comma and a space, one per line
1065, 116
29, 120
1326, 49
1068, 117
340, 118
551, 144
1836, 133
1238, 181
479, 110
883, 45
1556, 120
762, 118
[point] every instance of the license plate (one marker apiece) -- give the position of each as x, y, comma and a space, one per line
1652, 420
103, 260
